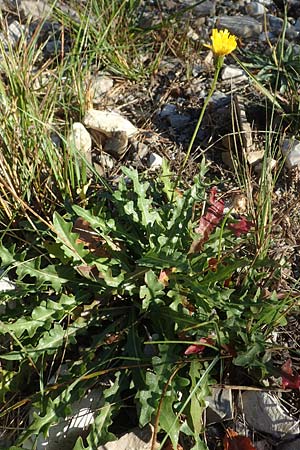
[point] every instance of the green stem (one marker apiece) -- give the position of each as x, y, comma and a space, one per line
219, 65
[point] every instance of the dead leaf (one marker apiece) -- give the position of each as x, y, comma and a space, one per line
233, 441
164, 275
87, 236
241, 227
209, 221
92, 242
213, 264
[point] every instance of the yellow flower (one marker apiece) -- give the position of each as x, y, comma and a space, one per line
223, 42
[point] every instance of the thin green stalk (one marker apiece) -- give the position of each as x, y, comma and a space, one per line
219, 65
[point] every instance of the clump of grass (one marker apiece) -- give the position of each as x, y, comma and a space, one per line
42, 95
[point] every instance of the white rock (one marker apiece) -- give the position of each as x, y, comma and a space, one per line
266, 2
234, 74
35, 8
81, 139
64, 434
99, 86
155, 161
220, 406
192, 34
291, 151
7, 285
265, 413
135, 440
108, 122
255, 157
13, 35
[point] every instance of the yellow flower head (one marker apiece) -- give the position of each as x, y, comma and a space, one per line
223, 42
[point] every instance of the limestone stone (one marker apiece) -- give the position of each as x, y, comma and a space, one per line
265, 413
155, 161
99, 86
64, 434
291, 151
220, 406
135, 440
81, 139
233, 74
35, 8
108, 123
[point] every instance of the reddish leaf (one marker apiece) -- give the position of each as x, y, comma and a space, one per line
228, 282
209, 221
213, 264
199, 347
194, 348
164, 275
241, 227
213, 216
233, 441
290, 379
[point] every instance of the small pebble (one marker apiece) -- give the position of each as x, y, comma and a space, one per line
233, 74
108, 122
179, 121
255, 9
291, 151
35, 8
204, 9
99, 86
155, 161
168, 110
80, 138
297, 24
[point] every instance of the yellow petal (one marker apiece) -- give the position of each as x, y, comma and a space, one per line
223, 42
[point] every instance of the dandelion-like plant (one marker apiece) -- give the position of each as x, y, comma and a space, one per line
223, 43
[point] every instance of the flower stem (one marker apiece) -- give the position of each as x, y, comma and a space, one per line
219, 65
